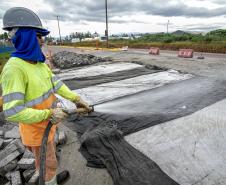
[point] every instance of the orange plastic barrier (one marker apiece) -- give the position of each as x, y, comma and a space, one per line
185, 53
154, 51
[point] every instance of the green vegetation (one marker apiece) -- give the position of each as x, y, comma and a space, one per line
209, 47
4, 36
3, 59
178, 36
212, 42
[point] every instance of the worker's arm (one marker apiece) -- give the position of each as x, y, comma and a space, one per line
65, 92
61, 89
13, 82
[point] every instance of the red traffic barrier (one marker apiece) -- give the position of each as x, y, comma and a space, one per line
185, 53
154, 51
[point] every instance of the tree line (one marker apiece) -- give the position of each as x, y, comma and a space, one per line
216, 35
4, 36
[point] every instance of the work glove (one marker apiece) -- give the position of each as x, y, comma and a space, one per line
57, 115
83, 107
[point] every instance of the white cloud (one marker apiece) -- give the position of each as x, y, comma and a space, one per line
125, 16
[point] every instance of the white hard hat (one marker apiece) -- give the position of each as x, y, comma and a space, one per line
21, 17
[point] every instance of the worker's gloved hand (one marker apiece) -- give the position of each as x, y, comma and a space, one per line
83, 107
57, 115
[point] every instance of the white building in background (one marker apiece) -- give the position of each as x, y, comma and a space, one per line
75, 40
88, 39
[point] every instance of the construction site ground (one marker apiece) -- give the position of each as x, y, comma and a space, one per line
213, 67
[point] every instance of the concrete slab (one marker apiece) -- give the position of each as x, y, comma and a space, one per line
27, 174
1, 132
6, 142
189, 149
28, 154
13, 133
25, 163
109, 91
20, 147
1, 142
72, 160
34, 179
10, 166
9, 158
96, 70
16, 178
62, 138
7, 151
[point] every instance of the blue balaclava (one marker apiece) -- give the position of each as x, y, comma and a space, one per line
26, 44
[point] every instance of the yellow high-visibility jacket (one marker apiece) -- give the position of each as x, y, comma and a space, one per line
28, 94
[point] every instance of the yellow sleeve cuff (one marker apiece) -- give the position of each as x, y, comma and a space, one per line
77, 98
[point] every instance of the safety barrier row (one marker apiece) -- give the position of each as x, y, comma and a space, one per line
183, 53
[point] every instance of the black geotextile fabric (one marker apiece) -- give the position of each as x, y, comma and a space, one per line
78, 83
103, 146
126, 165
145, 109
101, 134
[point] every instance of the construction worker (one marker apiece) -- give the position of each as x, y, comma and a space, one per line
28, 87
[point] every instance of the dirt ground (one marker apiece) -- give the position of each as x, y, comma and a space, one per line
213, 66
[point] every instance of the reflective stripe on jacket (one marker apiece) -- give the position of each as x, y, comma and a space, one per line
28, 93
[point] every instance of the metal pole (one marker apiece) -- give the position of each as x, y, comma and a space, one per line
59, 28
47, 35
106, 31
168, 27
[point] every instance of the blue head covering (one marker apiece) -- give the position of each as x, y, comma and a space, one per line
26, 43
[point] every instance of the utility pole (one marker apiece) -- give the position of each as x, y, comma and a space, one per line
167, 26
59, 29
106, 31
